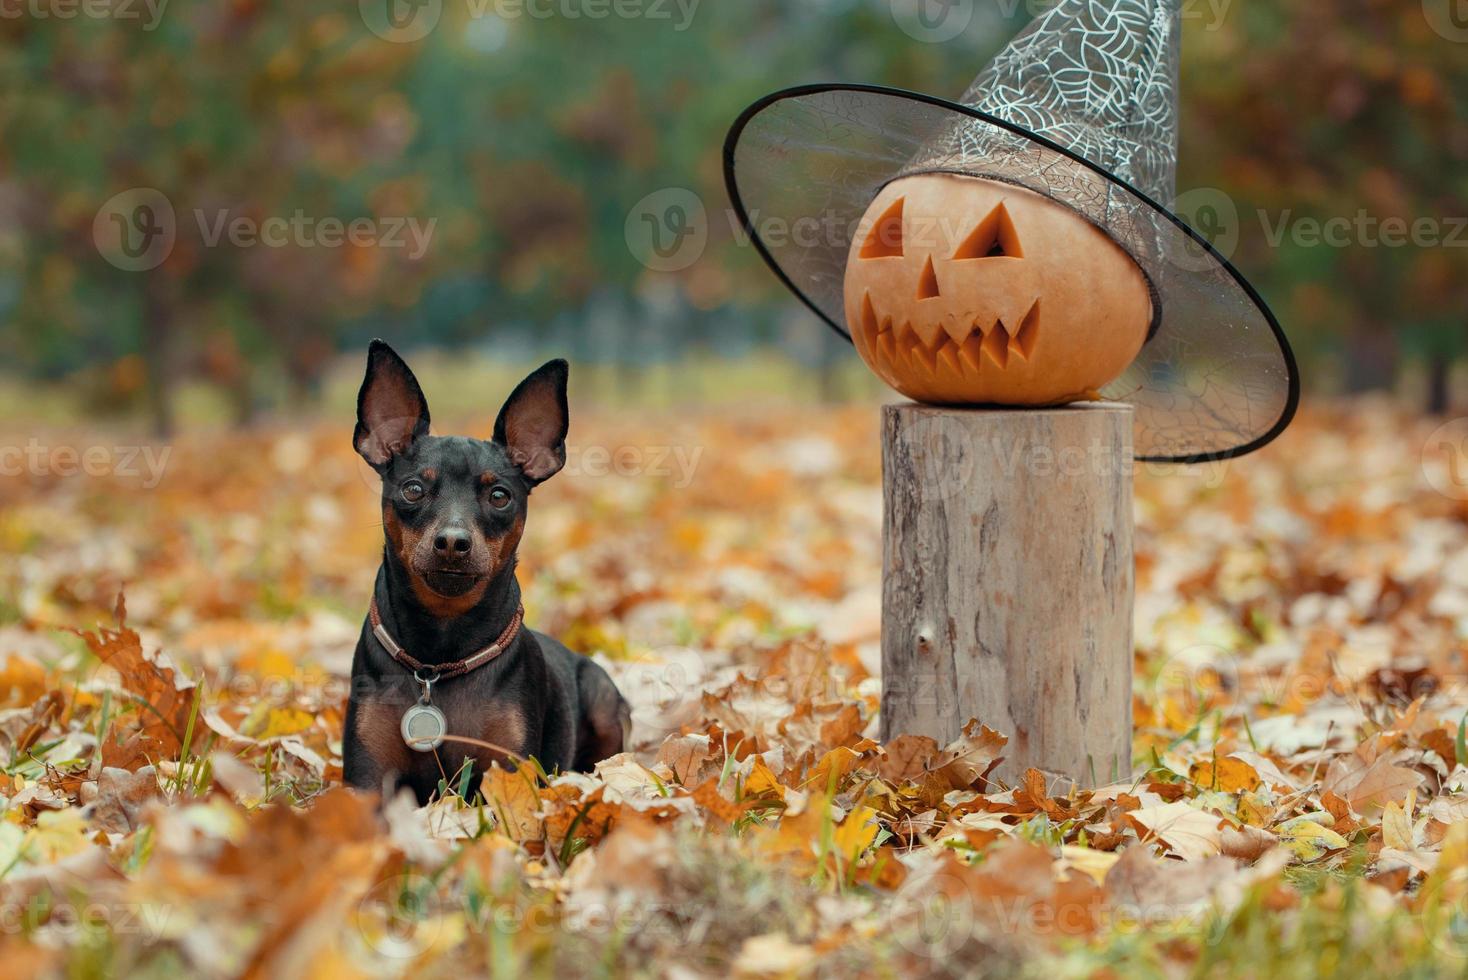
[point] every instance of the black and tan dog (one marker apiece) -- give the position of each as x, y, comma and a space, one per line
444, 631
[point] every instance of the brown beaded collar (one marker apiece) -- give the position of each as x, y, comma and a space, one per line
459, 667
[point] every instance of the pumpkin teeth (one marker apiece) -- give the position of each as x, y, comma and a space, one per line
996, 344
925, 356
968, 354
887, 344
948, 354
962, 345
957, 328
1023, 342
928, 332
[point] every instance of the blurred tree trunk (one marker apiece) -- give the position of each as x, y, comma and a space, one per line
306, 364
1439, 376
1372, 360
242, 398
830, 366
158, 354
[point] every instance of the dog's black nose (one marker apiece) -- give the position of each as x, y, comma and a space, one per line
451, 542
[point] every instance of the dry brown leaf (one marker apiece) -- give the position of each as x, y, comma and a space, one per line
121, 796
686, 755
166, 696
1370, 786
906, 757
968, 760
1188, 832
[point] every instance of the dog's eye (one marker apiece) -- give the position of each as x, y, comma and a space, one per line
412, 491
499, 498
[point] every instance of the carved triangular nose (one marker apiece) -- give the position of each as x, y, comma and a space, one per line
928, 284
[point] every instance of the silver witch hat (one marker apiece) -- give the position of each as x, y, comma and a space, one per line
1081, 107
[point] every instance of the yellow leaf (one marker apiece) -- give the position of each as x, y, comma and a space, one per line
22, 680
1093, 864
798, 839
762, 781
1228, 774
827, 775
513, 799
1396, 828
1309, 840
285, 721
1254, 809
58, 834
855, 834
267, 662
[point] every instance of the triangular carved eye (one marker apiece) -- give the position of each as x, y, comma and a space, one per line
885, 239
995, 237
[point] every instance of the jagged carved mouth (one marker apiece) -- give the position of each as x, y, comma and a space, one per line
969, 344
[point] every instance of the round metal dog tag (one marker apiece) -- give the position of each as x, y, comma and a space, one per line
424, 727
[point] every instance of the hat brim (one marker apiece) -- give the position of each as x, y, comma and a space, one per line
1216, 379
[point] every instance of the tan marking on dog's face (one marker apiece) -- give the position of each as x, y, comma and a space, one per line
404, 540
408, 545
502, 549
446, 607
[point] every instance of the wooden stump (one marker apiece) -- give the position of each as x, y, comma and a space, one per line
1008, 582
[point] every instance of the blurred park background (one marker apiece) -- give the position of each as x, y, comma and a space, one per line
493, 178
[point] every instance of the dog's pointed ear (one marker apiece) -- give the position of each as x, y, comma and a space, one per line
391, 409
533, 424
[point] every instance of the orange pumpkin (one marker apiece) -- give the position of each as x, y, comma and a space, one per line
961, 290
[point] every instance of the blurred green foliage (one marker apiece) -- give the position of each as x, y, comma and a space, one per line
526, 134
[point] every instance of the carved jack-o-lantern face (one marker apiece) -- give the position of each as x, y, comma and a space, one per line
961, 290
